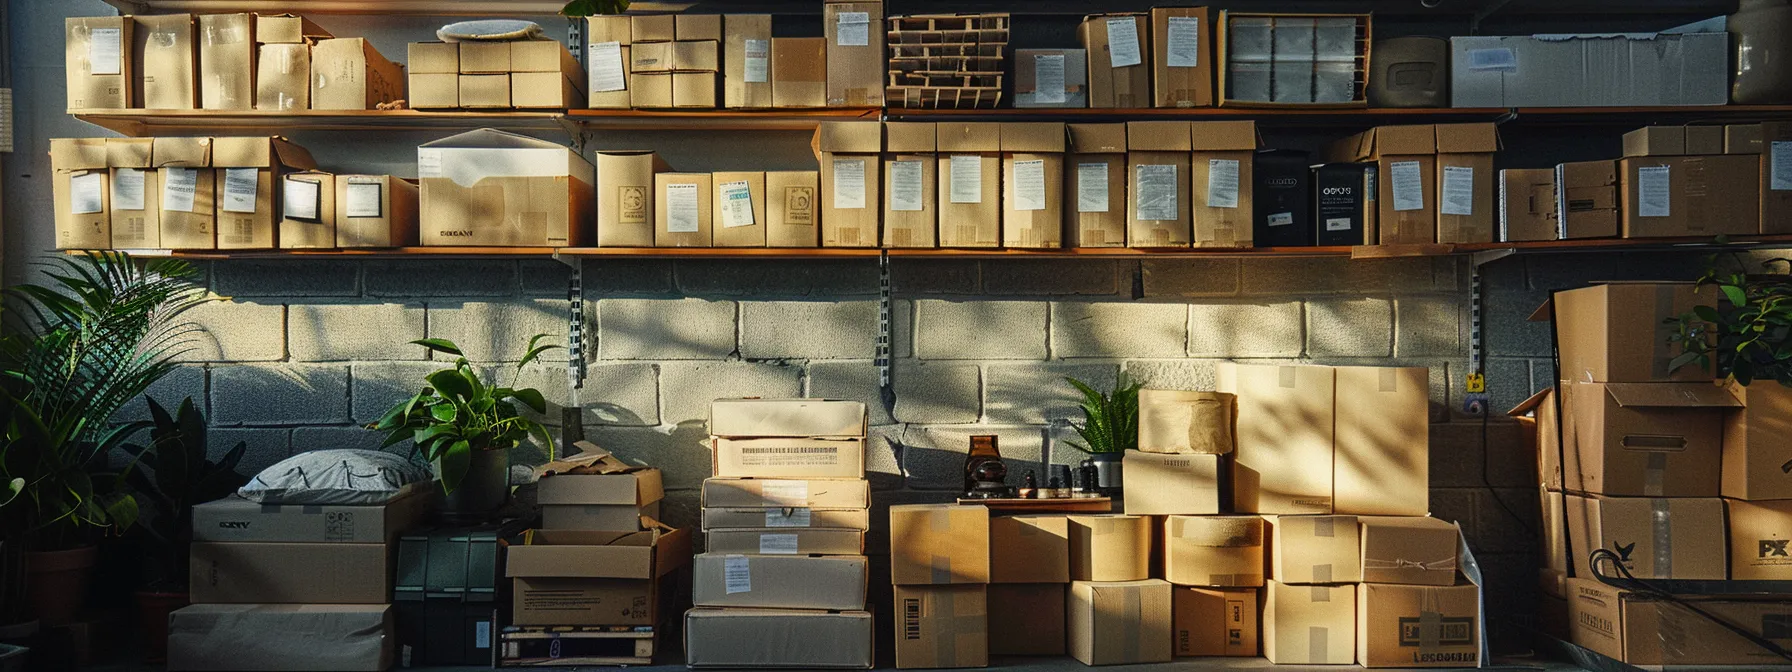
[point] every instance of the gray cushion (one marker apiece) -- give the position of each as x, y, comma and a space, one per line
337, 477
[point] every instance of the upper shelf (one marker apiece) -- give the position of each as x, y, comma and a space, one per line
1316, 116
402, 7
719, 120
138, 123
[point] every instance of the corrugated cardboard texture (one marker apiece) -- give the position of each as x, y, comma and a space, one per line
1382, 441
1618, 333
1417, 550
263, 573
785, 541
835, 583
737, 231
933, 544
818, 494
1285, 432
1591, 70
1312, 625
1172, 484
87, 90
1026, 619
227, 61
237, 519
799, 72
855, 73
1102, 220
1527, 202
135, 229
1649, 439
1418, 626
1705, 196
1029, 549
1315, 549
396, 225
788, 458
1657, 538
1759, 534
281, 637
1754, 443
790, 208
942, 626
1215, 622
1119, 622
1633, 628
1213, 550
1110, 548
768, 639
168, 61
1110, 87
1184, 85
785, 517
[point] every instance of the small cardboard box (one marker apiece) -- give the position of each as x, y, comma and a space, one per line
1656, 141
694, 89
1415, 550
1172, 484
352, 75
489, 187
1691, 196
1634, 627
784, 541
1285, 431
1586, 199
653, 27
1759, 534
715, 518
227, 61
942, 627
1224, 551
237, 519
1742, 139
1465, 182
1527, 204
136, 223
697, 26
185, 201
291, 573
283, 77
99, 64
1775, 168
546, 56
1097, 174
1033, 184
911, 185
545, 91
1051, 78
82, 189
1159, 189
803, 418
777, 639
608, 80
1117, 46
850, 205
799, 72
375, 211
835, 583
738, 209
1754, 442
1309, 625
248, 170
1406, 168
167, 61
855, 53
1649, 439
695, 56
1026, 619
1116, 623
788, 458
747, 61
1382, 435
1178, 421
1704, 140
434, 91
1418, 626
1315, 549
1110, 548
1688, 532
484, 58
1215, 621
287, 29
1029, 549
484, 92
307, 211
625, 197
1617, 332
1344, 205
432, 58
970, 187
228, 637
593, 491
572, 577
790, 208
936, 544
1181, 57
851, 493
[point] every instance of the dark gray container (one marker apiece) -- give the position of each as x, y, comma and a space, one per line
1410, 72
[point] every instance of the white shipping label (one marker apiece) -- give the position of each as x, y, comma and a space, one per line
1457, 197
1155, 186
1222, 183
105, 51
777, 544
1123, 42
849, 184
758, 61
482, 635
737, 204
1653, 185
87, 194
127, 189
1185, 42
429, 162
1337, 224
1492, 60
179, 185
853, 29
1048, 78
365, 198
784, 493
905, 186
300, 199
1091, 187
1281, 218
787, 517
967, 178
681, 208
240, 185
606, 67
737, 574
1029, 185
1780, 160
1408, 181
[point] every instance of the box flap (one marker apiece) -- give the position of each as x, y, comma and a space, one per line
1543, 313
976, 136
130, 152
1223, 136
470, 157
1404, 140
259, 152
788, 418
1032, 137
1159, 136
183, 152
1467, 138
909, 136
78, 153
590, 459
1530, 405
1097, 138
1671, 395
864, 137
586, 554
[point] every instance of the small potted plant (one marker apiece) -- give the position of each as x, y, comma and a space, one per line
1110, 428
1747, 334
466, 427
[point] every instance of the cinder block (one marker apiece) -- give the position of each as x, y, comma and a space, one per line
1037, 394
767, 277
688, 388
1176, 374
1430, 326
850, 380
1505, 325
1095, 277
1244, 329
1116, 329
681, 452
933, 459
621, 394
335, 332
378, 386
902, 324
184, 382
306, 439
665, 329
882, 466
265, 447
1449, 274
808, 329
500, 331
1350, 328
280, 394
437, 278
935, 392
544, 278
934, 276
980, 329
310, 277
1197, 278
1457, 505
627, 277
232, 331
1305, 276
1456, 455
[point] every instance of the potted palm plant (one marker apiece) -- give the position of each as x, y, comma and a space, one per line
465, 427
1110, 428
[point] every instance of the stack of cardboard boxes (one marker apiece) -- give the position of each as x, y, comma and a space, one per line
940, 565
1436, 182
757, 70
784, 520
525, 74
674, 59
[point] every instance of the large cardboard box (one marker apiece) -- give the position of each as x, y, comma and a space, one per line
799, 72
1110, 548
1117, 45
1311, 625
783, 541
1315, 549
1759, 534
911, 185
307, 211
1775, 167
1160, 484
777, 639
1181, 57
933, 544
100, 63
1184, 422
290, 573
82, 189
287, 29
786, 517
248, 170
1644, 631
1033, 184
1159, 189
375, 211
1465, 182
1215, 621
1115, 623
167, 62
683, 210
1096, 174
136, 223
1057, 78
1027, 619
835, 583
1416, 550
238, 519
970, 186
235, 637
227, 61
352, 75
855, 53
625, 197
1586, 199
1649, 439
283, 77
1655, 537
1405, 159
612, 501
942, 627
1382, 435
801, 418
767, 492
788, 458
1527, 203
848, 152
1344, 205
573, 577
1225, 551
1754, 442
1285, 432
1029, 549
790, 208
1608, 69
1222, 211
1690, 195
1618, 332
1418, 626
186, 203
490, 187
747, 61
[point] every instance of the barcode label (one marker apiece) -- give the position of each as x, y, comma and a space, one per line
911, 618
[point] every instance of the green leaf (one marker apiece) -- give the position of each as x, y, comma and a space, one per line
441, 345
455, 463
1735, 294
532, 399
451, 384
1706, 313
445, 411
534, 351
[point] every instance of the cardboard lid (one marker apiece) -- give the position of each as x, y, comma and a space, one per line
1220, 531
1221, 136
970, 136
789, 418
1467, 138
259, 152
1530, 405
1670, 395
1386, 141
476, 155
1033, 137
864, 137
182, 152
603, 555
1093, 138
1163, 136
130, 152
78, 153
908, 136
287, 29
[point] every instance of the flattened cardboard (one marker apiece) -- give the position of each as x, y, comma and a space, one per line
297, 232
790, 208
1649, 439
1310, 625
1110, 87
1029, 549
396, 224
86, 88
167, 61
1618, 332
291, 573
1754, 443
765, 492
1172, 483
937, 544
1159, 151
352, 75
625, 197
1215, 621
1223, 551
739, 32
1382, 441
911, 148
1705, 196
1181, 85
229, 637
788, 458
1097, 150
799, 72
747, 232
194, 229
1415, 550
82, 159
1631, 627
1027, 144
835, 583
1179, 421
849, 150
777, 639
1112, 623
1657, 538
784, 541
1527, 201
1110, 548
1315, 549
227, 61
1285, 435
942, 626
283, 77
489, 187
797, 418
135, 229
1027, 619
855, 72
1759, 534
1418, 626
718, 518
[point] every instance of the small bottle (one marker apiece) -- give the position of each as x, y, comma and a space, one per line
1059, 482
1029, 486
1091, 479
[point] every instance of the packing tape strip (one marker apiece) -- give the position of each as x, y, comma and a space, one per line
1286, 376
941, 566
1234, 580
1318, 644
1661, 523
945, 644
1325, 526
1222, 531
1389, 379
1655, 474
1431, 620
1322, 573
1132, 614
1319, 593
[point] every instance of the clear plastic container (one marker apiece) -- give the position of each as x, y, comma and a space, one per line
1334, 82
1293, 82
1334, 39
1248, 82
1294, 39
1249, 39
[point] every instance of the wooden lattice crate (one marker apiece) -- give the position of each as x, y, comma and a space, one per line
947, 60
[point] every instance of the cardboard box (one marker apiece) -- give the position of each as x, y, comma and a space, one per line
625, 197
307, 211
799, 72
597, 517
1415, 550
746, 61
1742, 139
99, 64
236, 519
1285, 437
1027, 619
1418, 626
484, 58
283, 77
1032, 184
1224, 551
786, 493
230, 637
1406, 167
544, 91
1318, 59
1657, 538
970, 187
1624, 69
935, 544
227, 61
135, 222
697, 26
1656, 141
352, 75
1215, 622
1114, 623
1097, 173
599, 501
1158, 195
292, 573
1617, 332
1051, 78
1281, 197
1181, 57
807, 418
1753, 442
1344, 205
790, 208
1586, 199
375, 211
586, 601
855, 53
782, 541
942, 627
1117, 45
489, 187
1171, 483
715, 518
167, 62
1527, 204
247, 171
1382, 441
546, 56
835, 583
788, 458
911, 180
82, 189
1221, 208
433, 58
287, 29
434, 92
653, 27
1704, 139
1758, 538
695, 56
1775, 167
1029, 549
694, 89
1639, 630
485, 92
573, 577
1465, 182
1313, 625
777, 639
1649, 439
1691, 196
186, 202
1555, 531
608, 82
1110, 548
1315, 549
848, 152
737, 214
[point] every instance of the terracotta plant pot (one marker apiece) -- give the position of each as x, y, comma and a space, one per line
153, 609
58, 582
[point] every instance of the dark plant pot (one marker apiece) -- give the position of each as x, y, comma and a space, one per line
153, 609
59, 581
1107, 472
486, 487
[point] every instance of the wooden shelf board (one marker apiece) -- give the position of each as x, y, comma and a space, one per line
139, 123
720, 120
1547, 115
390, 7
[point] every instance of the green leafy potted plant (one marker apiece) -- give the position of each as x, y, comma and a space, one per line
465, 427
1110, 428
1746, 335
578, 8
